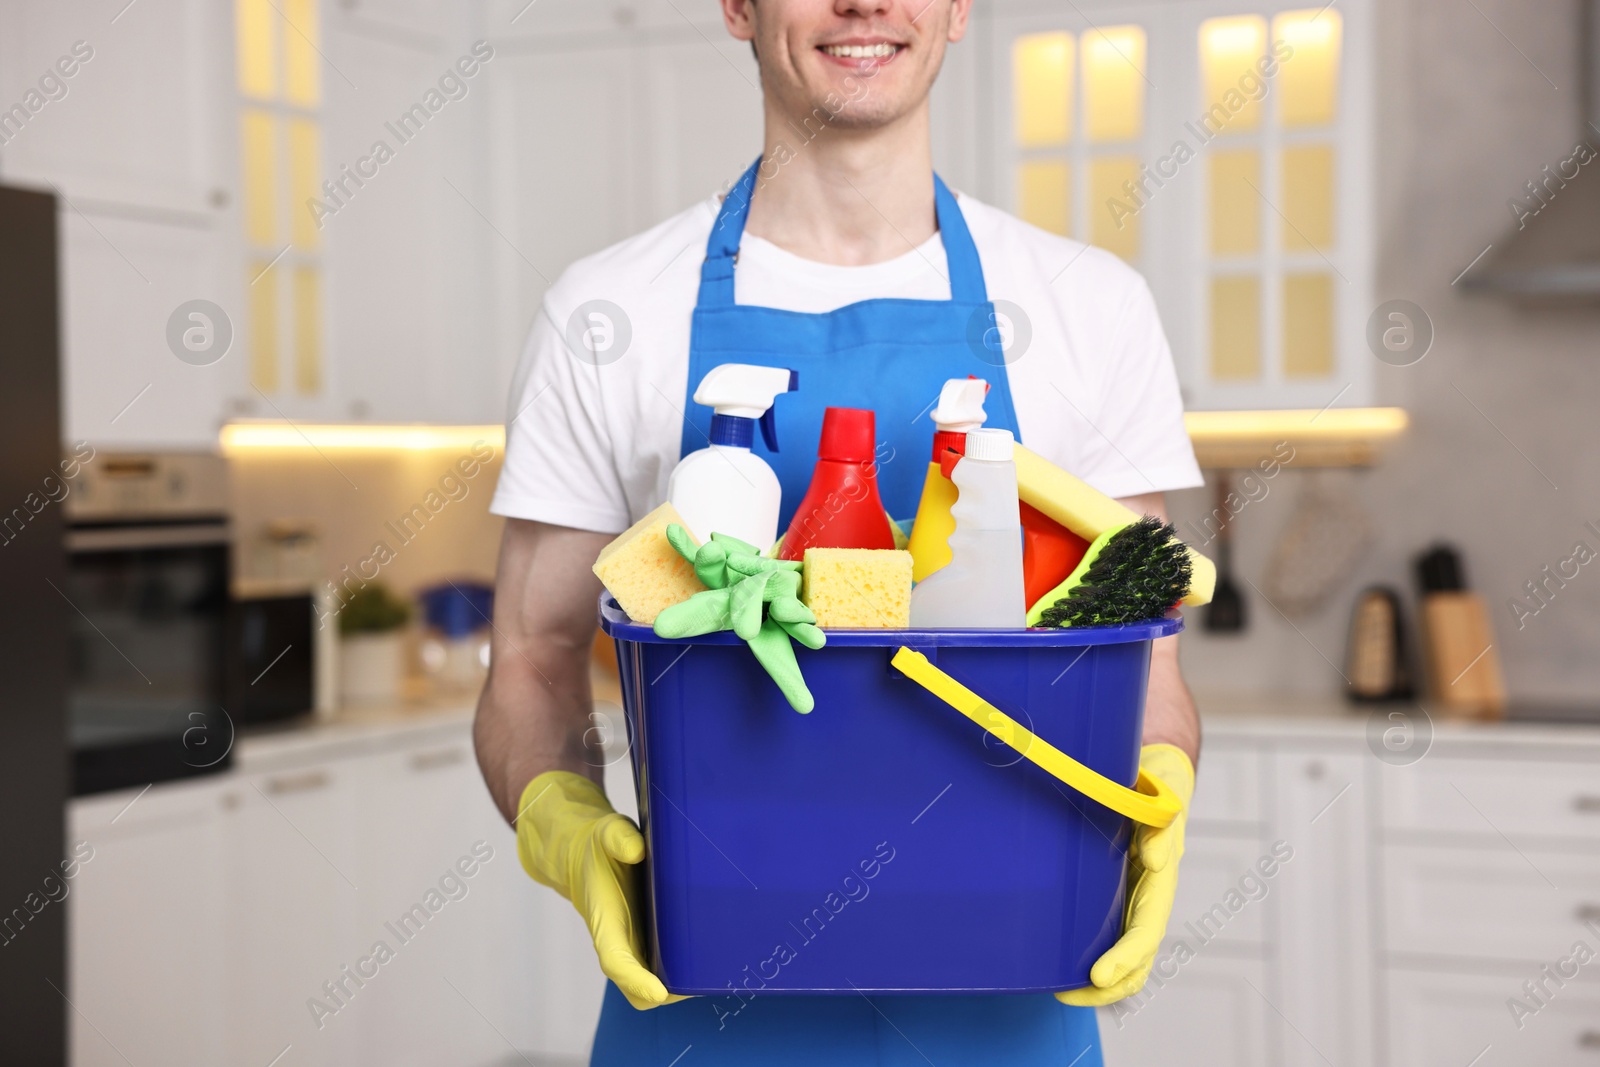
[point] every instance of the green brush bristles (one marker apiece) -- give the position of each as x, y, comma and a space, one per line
1140, 573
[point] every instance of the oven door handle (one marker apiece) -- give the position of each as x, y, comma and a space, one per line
125, 537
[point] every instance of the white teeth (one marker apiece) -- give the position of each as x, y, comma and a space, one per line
861, 51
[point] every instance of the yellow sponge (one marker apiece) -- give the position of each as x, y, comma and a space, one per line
858, 588
642, 569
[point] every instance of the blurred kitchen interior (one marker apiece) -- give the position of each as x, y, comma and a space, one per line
345, 387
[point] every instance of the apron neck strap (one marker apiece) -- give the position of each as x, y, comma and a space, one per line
716, 273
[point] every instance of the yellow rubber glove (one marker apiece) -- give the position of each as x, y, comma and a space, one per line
1154, 856
570, 839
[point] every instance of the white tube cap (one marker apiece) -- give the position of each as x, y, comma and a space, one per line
990, 446
960, 408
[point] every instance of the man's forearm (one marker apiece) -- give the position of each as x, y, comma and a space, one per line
1170, 716
534, 713
532, 718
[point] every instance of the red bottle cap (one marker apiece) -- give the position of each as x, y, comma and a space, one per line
948, 440
847, 435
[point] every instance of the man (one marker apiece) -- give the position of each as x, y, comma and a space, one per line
853, 215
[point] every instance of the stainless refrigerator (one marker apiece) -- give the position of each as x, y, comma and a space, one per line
34, 762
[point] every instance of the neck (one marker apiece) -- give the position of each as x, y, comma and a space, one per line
845, 196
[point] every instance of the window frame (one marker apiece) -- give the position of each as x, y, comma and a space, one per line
285, 255
1175, 255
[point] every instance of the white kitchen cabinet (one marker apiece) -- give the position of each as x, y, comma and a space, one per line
1490, 874
702, 108
134, 152
136, 131
1491, 902
1228, 791
212, 914
1450, 1020
1553, 800
1210, 1013
124, 278
1320, 989
566, 155
1219, 873
294, 916
404, 253
147, 923
437, 1002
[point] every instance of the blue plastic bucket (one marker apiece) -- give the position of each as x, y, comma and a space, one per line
883, 843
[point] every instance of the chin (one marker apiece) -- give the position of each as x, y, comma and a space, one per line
868, 114
868, 99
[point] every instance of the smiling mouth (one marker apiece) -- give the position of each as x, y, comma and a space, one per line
881, 50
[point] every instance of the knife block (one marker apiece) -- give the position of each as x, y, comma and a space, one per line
1463, 667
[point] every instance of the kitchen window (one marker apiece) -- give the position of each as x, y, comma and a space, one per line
280, 138
1079, 118
1223, 151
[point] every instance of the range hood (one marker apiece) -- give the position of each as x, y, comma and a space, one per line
1552, 256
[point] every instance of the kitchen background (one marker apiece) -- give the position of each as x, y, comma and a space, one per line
1390, 160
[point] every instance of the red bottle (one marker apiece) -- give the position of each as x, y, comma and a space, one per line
841, 509
1050, 553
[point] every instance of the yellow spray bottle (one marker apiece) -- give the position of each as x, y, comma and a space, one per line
959, 411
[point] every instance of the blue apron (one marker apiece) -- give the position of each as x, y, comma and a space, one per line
892, 356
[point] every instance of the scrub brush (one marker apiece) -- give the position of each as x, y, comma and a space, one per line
1131, 573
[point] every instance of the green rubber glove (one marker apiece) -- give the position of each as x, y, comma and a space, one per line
756, 597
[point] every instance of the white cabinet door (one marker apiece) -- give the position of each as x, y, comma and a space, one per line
123, 278
1323, 980
1210, 1013
146, 930
702, 103
1487, 903
1537, 803
132, 149
432, 848
1227, 791
405, 251
566, 159
1222, 894
134, 126
1451, 1020
293, 899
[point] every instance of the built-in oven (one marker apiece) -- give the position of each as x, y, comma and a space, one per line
148, 582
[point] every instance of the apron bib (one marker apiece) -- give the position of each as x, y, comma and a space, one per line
892, 356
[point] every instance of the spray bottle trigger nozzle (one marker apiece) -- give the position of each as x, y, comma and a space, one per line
769, 419
769, 429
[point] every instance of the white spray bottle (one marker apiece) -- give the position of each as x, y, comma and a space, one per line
725, 488
981, 587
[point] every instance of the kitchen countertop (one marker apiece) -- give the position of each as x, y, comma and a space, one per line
351, 732
1228, 718
364, 731
1247, 717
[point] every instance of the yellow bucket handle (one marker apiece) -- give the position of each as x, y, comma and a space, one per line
1151, 801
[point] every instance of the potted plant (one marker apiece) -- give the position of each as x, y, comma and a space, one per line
372, 646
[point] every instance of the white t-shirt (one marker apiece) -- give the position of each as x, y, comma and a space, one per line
594, 426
